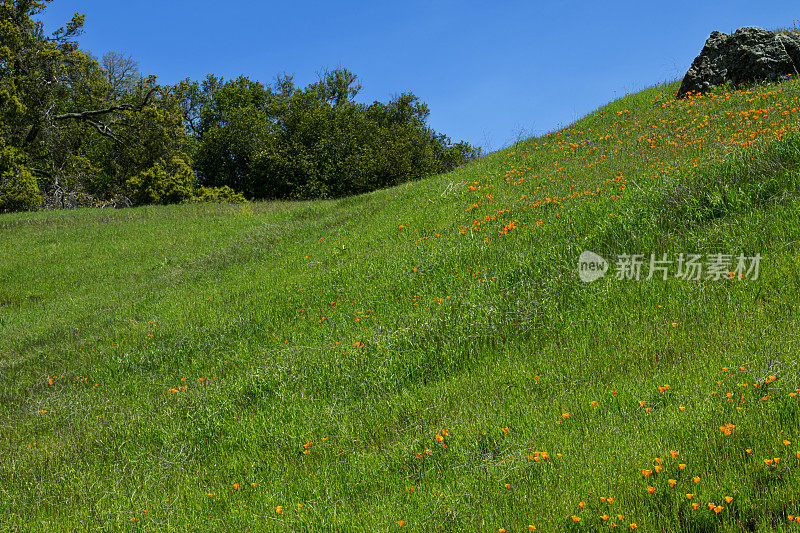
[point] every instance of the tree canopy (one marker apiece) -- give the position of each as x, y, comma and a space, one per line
71, 122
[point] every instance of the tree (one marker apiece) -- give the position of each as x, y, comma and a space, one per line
286, 142
122, 73
70, 122
31, 69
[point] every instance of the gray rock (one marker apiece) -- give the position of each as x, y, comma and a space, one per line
749, 55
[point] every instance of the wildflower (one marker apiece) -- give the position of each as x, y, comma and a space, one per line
682, 466
235, 486
689, 496
672, 482
651, 489
673, 454
576, 518
696, 479
401, 523
646, 472
279, 509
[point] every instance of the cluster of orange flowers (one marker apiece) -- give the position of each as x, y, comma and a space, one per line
672, 132
439, 440
184, 388
609, 518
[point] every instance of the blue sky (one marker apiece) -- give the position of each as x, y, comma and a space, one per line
487, 70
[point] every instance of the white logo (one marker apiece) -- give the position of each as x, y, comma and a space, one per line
591, 266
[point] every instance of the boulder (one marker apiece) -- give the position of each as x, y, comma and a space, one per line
749, 55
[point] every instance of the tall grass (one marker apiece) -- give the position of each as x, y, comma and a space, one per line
424, 357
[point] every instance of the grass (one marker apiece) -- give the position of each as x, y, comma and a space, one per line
424, 357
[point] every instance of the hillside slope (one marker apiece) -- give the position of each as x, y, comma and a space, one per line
425, 356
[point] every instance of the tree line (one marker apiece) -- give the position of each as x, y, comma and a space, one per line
97, 129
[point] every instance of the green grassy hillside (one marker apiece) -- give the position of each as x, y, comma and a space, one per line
425, 357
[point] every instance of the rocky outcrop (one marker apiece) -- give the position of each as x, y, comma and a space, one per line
749, 55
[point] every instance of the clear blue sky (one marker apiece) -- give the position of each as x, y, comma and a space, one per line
486, 69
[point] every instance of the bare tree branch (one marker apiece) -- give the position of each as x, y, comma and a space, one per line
87, 115
103, 129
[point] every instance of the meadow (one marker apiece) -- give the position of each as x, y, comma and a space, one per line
425, 357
